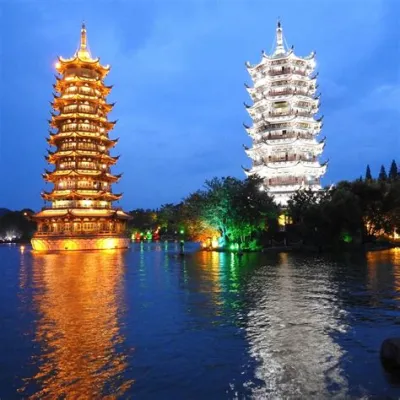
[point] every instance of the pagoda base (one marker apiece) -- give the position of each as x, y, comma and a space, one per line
78, 243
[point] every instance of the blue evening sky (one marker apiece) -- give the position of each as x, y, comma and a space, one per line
178, 73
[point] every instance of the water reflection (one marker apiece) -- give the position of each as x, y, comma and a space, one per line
77, 297
206, 325
295, 311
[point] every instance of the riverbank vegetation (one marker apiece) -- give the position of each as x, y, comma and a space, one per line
233, 213
229, 213
16, 226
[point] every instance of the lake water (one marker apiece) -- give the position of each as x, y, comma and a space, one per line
147, 324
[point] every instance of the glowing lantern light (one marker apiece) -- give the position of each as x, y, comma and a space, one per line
214, 243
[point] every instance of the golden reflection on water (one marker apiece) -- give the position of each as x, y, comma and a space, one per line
77, 297
384, 266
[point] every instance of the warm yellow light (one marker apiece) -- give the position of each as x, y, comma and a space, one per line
69, 245
214, 242
57, 65
107, 244
282, 220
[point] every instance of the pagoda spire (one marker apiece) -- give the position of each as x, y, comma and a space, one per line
83, 51
280, 47
83, 45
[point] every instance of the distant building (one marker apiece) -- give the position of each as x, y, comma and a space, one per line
81, 215
285, 150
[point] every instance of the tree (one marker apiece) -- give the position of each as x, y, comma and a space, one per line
237, 209
382, 174
17, 225
368, 175
393, 172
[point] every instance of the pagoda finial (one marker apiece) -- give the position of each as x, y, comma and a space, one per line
83, 51
83, 37
280, 48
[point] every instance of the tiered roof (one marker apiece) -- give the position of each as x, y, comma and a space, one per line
79, 132
285, 121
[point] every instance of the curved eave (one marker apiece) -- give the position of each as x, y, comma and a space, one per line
56, 137
67, 62
53, 176
63, 101
304, 164
53, 157
81, 212
280, 142
71, 195
289, 54
246, 170
61, 84
61, 117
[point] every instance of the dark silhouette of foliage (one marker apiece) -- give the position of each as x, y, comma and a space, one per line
393, 172
350, 212
17, 225
382, 174
368, 175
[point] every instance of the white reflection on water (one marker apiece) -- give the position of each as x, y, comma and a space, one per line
295, 311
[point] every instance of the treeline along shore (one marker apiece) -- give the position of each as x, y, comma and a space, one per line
233, 214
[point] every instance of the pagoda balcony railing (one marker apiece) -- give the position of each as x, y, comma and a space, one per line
87, 153
80, 166
81, 187
79, 146
279, 116
299, 63
87, 147
265, 78
82, 115
290, 182
289, 84
68, 127
258, 114
299, 110
289, 92
307, 114
290, 113
89, 166
81, 233
289, 135
279, 62
80, 108
277, 127
286, 71
272, 127
78, 91
82, 96
268, 160
77, 205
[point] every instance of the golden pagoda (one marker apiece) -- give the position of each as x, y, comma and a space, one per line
81, 216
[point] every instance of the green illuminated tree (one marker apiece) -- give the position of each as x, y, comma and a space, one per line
235, 208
